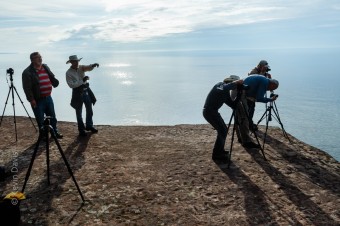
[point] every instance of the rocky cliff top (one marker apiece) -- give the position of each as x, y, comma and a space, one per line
164, 175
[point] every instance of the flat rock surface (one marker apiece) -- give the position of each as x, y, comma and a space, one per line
164, 175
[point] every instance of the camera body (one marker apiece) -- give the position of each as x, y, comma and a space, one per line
10, 71
274, 95
242, 87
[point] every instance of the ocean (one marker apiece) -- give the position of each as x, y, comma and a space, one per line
170, 87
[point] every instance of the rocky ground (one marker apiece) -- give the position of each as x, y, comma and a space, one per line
164, 175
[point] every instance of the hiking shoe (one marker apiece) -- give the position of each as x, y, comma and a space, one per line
224, 156
92, 129
254, 128
251, 145
59, 135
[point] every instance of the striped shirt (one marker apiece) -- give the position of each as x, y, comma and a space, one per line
44, 83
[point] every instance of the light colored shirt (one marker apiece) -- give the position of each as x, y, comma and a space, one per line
74, 78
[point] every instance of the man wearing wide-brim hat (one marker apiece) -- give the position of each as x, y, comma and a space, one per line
81, 93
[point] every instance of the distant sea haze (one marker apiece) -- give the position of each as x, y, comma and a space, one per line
169, 88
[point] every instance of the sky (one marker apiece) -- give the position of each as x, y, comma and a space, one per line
167, 24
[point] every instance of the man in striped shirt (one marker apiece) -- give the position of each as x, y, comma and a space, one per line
37, 82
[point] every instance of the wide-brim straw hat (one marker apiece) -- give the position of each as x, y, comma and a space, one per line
231, 78
73, 57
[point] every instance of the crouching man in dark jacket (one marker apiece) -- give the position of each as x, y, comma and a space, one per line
220, 94
230, 92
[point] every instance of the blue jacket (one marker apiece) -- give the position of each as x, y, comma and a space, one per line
258, 85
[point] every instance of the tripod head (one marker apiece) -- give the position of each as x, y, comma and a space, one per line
47, 125
47, 120
239, 90
274, 95
10, 71
272, 105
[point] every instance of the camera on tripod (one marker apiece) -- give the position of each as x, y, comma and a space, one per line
12, 89
242, 87
274, 95
10, 71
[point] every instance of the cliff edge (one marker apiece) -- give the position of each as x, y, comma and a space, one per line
164, 175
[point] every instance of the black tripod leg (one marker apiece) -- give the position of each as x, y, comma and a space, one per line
67, 165
258, 142
25, 108
9, 91
46, 129
263, 116
231, 118
15, 122
262, 148
232, 141
31, 163
276, 112
265, 133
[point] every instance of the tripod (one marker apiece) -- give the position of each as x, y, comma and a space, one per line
48, 128
239, 106
10, 71
268, 114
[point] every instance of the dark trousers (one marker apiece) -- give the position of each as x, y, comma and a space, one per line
89, 113
45, 106
215, 119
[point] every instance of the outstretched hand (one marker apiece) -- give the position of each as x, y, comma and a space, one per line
95, 65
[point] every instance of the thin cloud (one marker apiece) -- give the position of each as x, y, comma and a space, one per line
144, 20
88, 21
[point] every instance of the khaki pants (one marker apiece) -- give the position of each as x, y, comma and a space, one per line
241, 119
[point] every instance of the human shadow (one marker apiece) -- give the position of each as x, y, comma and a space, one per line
40, 198
256, 207
302, 201
13, 168
316, 173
